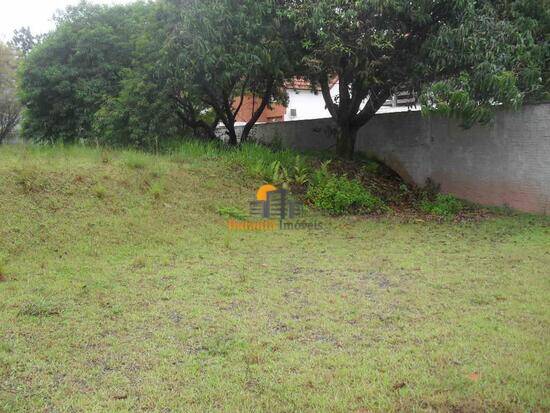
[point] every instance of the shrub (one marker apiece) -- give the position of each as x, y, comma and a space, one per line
338, 195
443, 205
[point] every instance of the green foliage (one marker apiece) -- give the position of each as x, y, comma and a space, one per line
9, 105
139, 116
2, 267
191, 149
156, 190
274, 166
135, 160
24, 40
143, 113
276, 173
443, 205
465, 57
301, 171
339, 195
371, 166
294, 171
496, 56
91, 80
224, 49
142, 75
377, 315
232, 212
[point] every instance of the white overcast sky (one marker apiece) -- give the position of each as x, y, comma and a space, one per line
37, 14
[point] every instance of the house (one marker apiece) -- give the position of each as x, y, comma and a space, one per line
305, 103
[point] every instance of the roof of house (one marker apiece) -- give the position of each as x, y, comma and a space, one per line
299, 83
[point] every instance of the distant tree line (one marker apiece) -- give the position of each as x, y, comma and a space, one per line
9, 105
147, 73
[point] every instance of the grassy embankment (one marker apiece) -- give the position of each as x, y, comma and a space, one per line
122, 290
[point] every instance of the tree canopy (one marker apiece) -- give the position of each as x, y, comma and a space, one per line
24, 40
463, 56
149, 72
79, 68
223, 49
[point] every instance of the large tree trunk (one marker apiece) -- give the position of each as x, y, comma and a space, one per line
347, 113
232, 135
345, 141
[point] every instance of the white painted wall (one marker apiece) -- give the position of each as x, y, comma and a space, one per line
309, 105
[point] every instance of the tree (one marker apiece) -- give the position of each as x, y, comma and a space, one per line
193, 114
24, 41
9, 105
77, 69
465, 56
143, 112
224, 49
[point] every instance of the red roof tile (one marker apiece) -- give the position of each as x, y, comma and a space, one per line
299, 83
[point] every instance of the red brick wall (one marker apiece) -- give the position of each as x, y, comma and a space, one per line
275, 113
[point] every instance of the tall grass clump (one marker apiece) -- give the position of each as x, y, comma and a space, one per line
194, 149
272, 166
135, 159
258, 161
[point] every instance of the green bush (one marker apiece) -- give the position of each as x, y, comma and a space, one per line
443, 205
338, 195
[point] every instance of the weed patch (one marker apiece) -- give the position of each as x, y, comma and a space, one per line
99, 191
339, 195
232, 212
443, 205
135, 160
156, 190
30, 180
39, 308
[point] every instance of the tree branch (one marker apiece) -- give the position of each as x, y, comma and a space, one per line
325, 90
376, 100
242, 97
265, 101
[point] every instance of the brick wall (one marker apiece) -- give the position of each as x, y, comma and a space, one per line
504, 163
275, 113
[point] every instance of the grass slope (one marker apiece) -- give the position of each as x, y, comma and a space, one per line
123, 291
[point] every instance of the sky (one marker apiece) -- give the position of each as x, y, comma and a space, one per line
37, 14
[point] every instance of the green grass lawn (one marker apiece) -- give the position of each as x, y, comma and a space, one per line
123, 290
